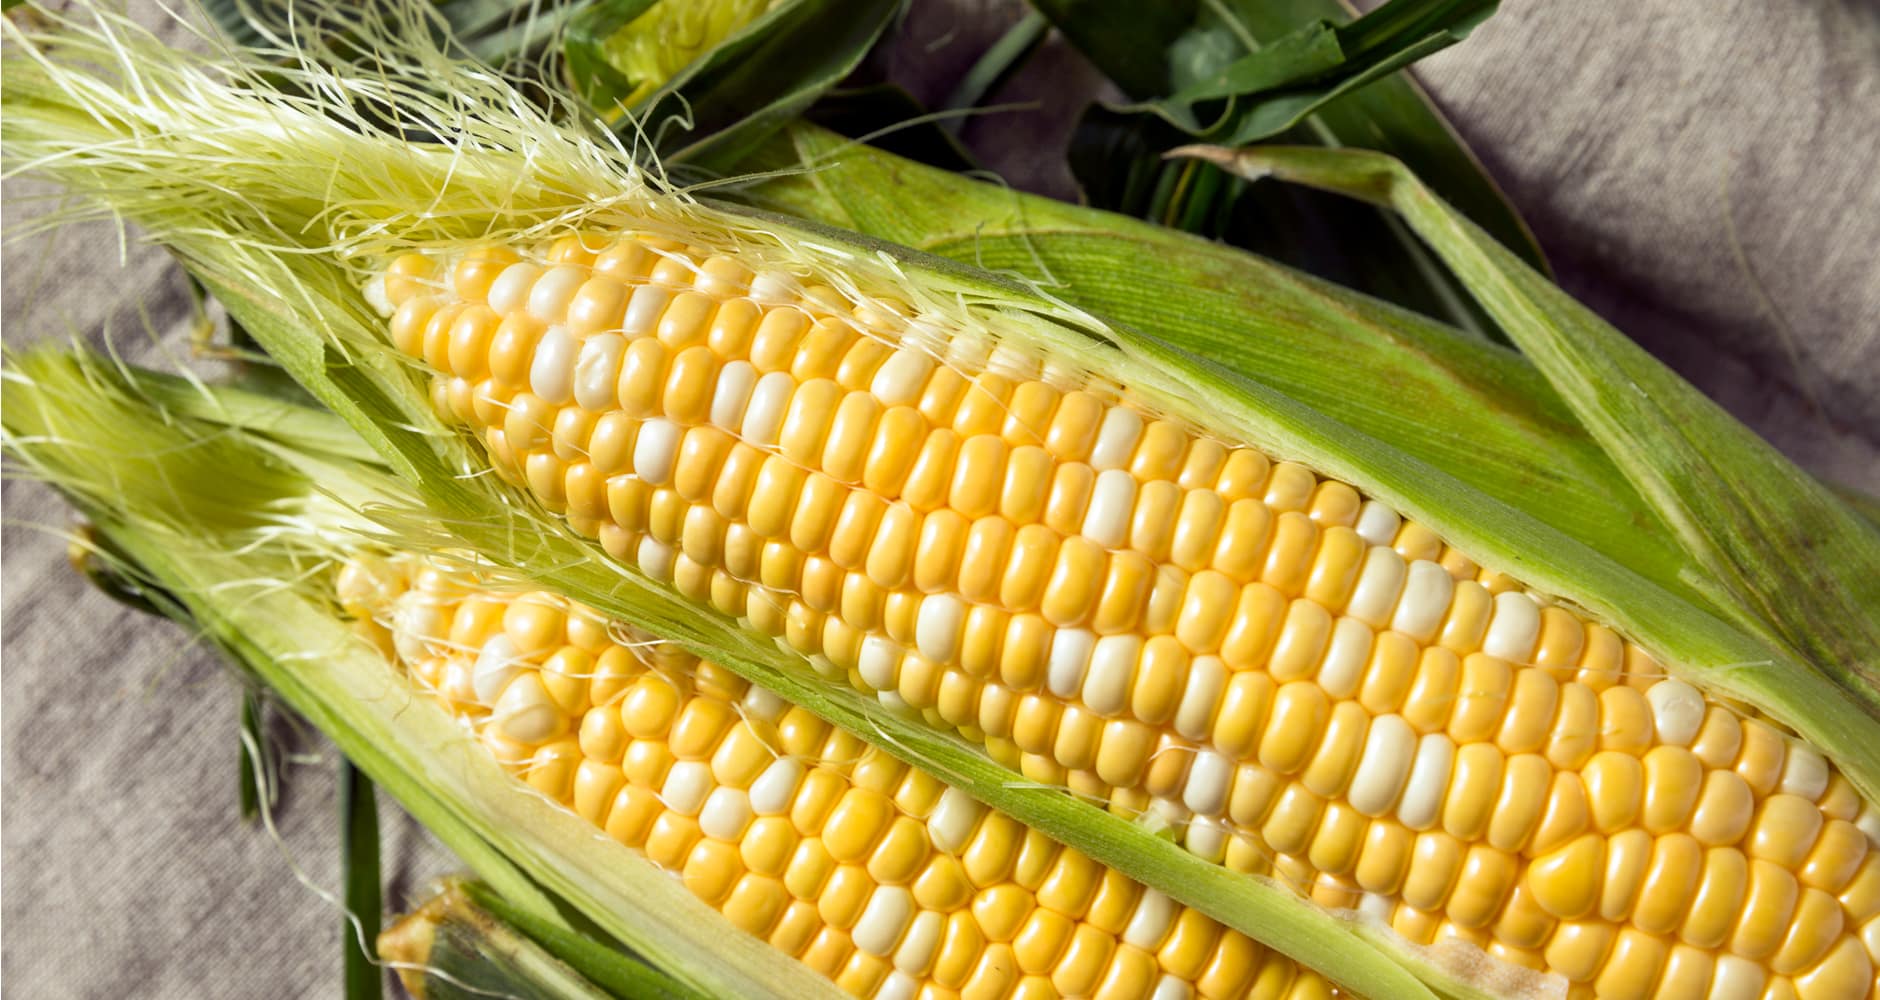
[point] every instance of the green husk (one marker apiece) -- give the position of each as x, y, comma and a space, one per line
239, 531
1156, 50
1798, 565
292, 278
453, 949
730, 95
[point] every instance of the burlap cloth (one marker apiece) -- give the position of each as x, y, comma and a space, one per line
1701, 173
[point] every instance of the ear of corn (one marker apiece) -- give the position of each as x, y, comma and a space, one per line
1741, 510
875, 874
1343, 633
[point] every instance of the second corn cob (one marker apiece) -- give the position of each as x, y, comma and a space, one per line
874, 874
1298, 680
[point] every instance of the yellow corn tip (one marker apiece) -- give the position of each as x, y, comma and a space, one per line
1301, 681
878, 876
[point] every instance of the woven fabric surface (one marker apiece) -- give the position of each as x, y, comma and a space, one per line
1699, 172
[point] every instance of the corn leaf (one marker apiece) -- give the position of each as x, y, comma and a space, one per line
359, 871
994, 65
1798, 564
460, 946
1151, 50
604, 966
1273, 87
720, 105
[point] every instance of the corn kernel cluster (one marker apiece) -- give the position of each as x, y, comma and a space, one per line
1301, 681
875, 874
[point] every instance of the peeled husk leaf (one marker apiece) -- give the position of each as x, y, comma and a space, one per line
459, 946
1798, 565
240, 532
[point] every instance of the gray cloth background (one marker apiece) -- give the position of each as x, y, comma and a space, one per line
1700, 172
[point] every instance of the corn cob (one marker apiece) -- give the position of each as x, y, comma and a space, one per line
876, 875
1298, 680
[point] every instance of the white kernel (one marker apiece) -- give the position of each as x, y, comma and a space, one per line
1012, 363
1514, 627
656, 450
1377, 906
1206, 839
597, 371
1678, 712
548, 300
1170, 812
1201, 695
1384, 767
1346, 655
1112, 500
525, 713
644, 308
731, 393
772, 288
1209, 779
1869, 822
1424, 603
920, 944
763, 417
1374, 596
688, 782
1422, 800
726, 813
763, 703
1155, 913
900, 379
510, 291
879, 662
1172, 987
775, 788
416, 618
655, 558
1112, 668
551, 370
497, 665
1804, 773
953, 819
937, 627
886, 916
900, 985
1116, 438
968, 351
1377, 523
1070, 658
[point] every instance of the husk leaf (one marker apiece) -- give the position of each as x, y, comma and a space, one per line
239, 534
1798, 564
